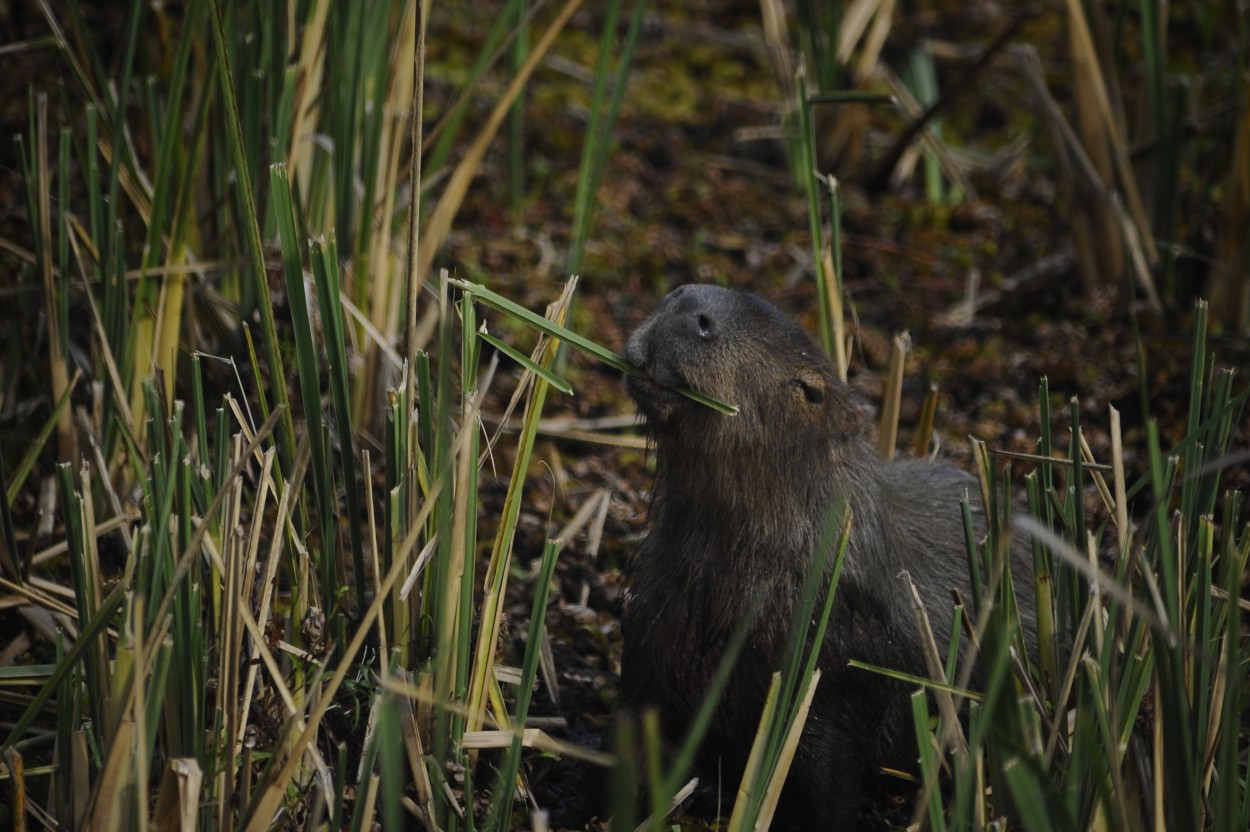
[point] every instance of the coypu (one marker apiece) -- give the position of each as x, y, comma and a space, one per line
739, 506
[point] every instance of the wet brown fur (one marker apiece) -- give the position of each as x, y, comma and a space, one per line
738, 507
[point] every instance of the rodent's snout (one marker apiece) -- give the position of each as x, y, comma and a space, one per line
636, 347
698, 311
674, 345
674, 338
688, 315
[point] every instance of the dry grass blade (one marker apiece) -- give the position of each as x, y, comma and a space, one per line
1107, 266
1105, 583
277, 677
1124, 531
448, 206
885, 168
1100, 482
594, 512
122, 517
595, 507
385, 302
684, 792
1213, 720
855, 23
893, 397
833, 284
753, 772
272, 791
418, 567
116, 778
572, 431
773, 793
953, 735
371, 795
177, 805
414, 748
778, 39
951, 169
53, 19
1050, 265
222, 546
17, 774
1030, 67
375, 573
874, 41
1083, 45
537, 739
924, 428
301, 145
268, 581
496, 578
105, 351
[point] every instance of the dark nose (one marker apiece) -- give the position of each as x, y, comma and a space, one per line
698, 311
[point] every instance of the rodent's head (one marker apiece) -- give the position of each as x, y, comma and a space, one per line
736, 347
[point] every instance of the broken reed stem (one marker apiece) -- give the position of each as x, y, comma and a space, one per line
888, 437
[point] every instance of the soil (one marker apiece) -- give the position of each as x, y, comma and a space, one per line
697, 188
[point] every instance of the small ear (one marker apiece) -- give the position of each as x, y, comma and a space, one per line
813, 389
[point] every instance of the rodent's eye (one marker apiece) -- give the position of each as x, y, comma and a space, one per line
812, 392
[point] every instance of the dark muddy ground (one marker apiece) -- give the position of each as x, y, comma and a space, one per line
697, 188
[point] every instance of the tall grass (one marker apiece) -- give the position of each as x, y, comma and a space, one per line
1151, 137
1129, 716
292, 601
267, 603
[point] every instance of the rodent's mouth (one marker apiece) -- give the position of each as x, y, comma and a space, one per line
655, 400
661, 377
642, 389
656, 393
